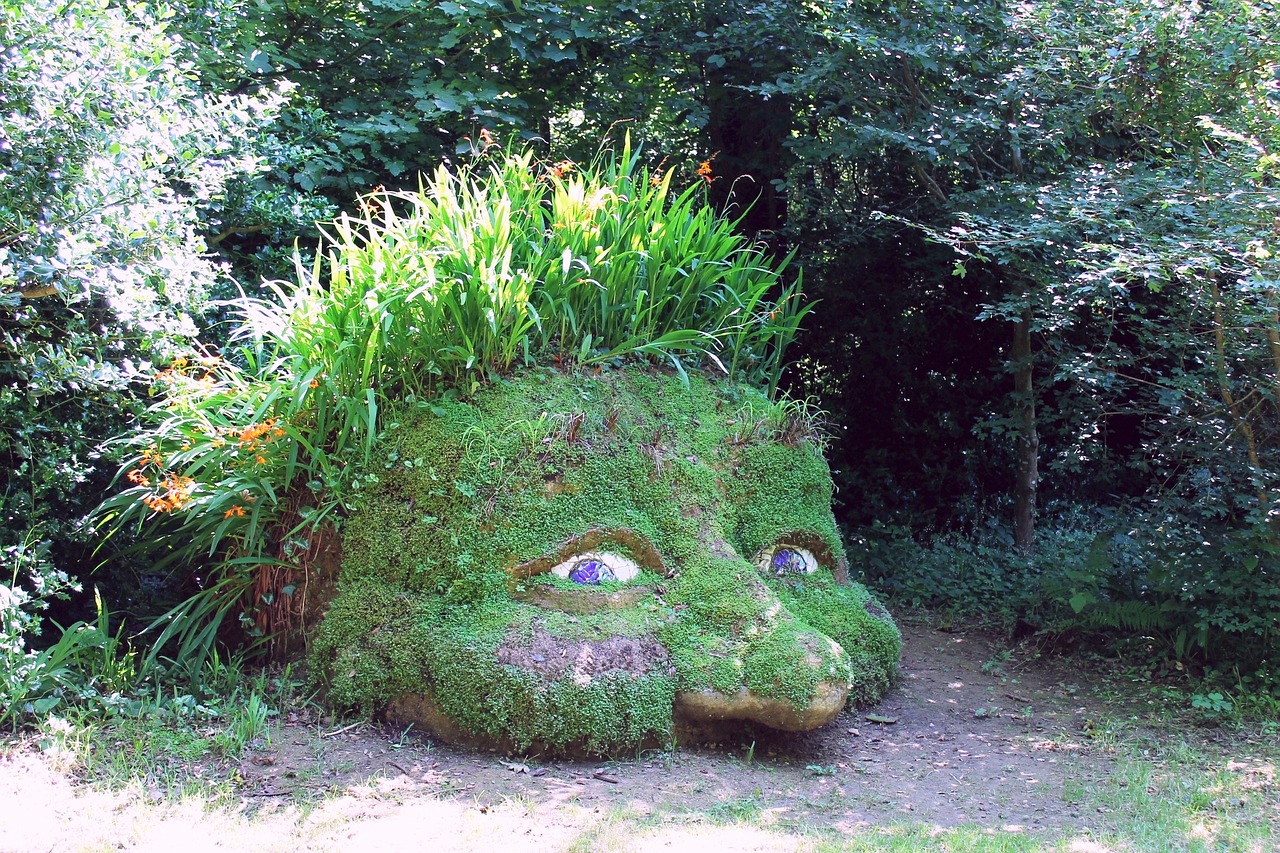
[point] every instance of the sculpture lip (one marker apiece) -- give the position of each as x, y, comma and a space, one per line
713, 706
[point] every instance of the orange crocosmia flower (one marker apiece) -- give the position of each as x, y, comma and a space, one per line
135, 476
314, 383
178, 490
253, 432
562, 168
157, 503
236, 511
261, 460
277, 432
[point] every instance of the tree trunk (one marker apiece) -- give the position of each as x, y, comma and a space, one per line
745, 135
1024, 501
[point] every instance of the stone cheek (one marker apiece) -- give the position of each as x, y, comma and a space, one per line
587, 599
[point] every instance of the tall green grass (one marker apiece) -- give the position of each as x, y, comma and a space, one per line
501, 264
505, 263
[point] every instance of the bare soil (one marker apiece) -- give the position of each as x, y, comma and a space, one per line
975, 735
972, 733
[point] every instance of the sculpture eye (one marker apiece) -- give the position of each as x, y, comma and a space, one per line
596, 567
782, 560
592, 572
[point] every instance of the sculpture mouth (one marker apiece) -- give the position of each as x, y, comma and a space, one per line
554, 658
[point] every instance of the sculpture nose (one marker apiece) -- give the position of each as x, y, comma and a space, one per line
741, 655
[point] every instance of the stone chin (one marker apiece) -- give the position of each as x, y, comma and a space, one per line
710, 707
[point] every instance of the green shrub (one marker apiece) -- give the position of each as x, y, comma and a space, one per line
1197, 592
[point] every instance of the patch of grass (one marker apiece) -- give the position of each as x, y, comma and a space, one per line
1177, 794
174, 740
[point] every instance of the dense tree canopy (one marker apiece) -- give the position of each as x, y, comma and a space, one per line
1042, 234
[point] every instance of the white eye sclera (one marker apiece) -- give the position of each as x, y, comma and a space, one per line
787, 560
596, 567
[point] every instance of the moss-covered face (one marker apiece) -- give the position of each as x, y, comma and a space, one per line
577, 563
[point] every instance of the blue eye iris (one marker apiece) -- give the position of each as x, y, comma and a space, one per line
787, 562
592, 572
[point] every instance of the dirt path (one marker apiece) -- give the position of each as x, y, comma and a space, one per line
967, 736
972, 735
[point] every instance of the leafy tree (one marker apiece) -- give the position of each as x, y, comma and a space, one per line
400, 85
108, 156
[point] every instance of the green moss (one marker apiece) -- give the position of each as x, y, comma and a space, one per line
466, 491
778, 490
788, 660
851, 617
645, 618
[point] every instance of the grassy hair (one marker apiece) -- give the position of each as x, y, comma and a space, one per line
500, 264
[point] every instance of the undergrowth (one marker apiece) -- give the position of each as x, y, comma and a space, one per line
1095, 583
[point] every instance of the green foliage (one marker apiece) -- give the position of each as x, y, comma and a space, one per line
1079, 565
109, 160
411, 86
220, 480
1098, 574
499, 264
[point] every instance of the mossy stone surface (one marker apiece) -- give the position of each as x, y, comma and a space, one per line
445, 601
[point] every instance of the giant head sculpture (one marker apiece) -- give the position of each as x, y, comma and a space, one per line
579, 562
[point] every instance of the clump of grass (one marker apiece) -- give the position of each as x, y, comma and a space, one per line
505, 262
501, 264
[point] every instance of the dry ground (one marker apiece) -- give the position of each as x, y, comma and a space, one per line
973, 738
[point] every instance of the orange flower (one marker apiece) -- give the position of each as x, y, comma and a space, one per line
315, 383
369, 203
261, 460
704, 171
561, 169
250, 434
157, 503
135, 476
177, 490
236, 511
